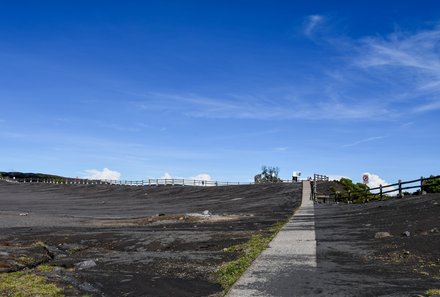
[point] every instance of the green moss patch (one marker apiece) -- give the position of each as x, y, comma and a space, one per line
46, 268
25, 260
230, 272
433, 292
22, 284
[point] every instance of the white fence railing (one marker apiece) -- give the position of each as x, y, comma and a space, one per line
148, 182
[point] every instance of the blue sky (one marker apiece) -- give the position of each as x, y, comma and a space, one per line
183, 88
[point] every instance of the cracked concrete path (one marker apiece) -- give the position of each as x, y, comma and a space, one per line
291, 252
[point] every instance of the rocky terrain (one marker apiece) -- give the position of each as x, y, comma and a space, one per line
380, 248
102, 240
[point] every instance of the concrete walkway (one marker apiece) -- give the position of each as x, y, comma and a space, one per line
291, 253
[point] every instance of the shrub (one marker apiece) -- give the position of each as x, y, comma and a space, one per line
432, 185
358, 192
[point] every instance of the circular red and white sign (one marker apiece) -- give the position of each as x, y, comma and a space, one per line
365, 178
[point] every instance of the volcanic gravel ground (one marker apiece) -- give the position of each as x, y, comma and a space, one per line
353, 261
134, 241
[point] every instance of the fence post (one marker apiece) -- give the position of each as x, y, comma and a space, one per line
314, 187
421, 186
381, 195
400, 188
349, 195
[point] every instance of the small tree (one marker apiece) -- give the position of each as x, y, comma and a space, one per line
357, 190
268, 175
432, 185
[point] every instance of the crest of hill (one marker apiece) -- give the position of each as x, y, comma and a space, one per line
30, 175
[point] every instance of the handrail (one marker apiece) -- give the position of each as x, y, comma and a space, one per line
396, 187
148, 182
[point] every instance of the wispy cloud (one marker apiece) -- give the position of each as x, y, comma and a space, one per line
372, 78
6, 134
365, 140
261, 108
410, 63
407, 124
432, 106
311, 23
117, 127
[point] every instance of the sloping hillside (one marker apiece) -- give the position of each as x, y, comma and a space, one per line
106, 240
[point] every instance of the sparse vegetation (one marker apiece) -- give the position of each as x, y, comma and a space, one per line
25, 260
25, 284
356, 192
45, 268
230, 272
433, 292
432, 185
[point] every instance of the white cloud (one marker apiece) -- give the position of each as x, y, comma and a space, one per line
337, 177
198, 177
103, 174
166, 176
202, 176
375, 181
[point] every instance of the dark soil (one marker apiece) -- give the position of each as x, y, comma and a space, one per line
352, 261
153, 241
141, 241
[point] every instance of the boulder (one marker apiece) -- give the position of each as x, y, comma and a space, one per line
382, 235
85, 264
406, 234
